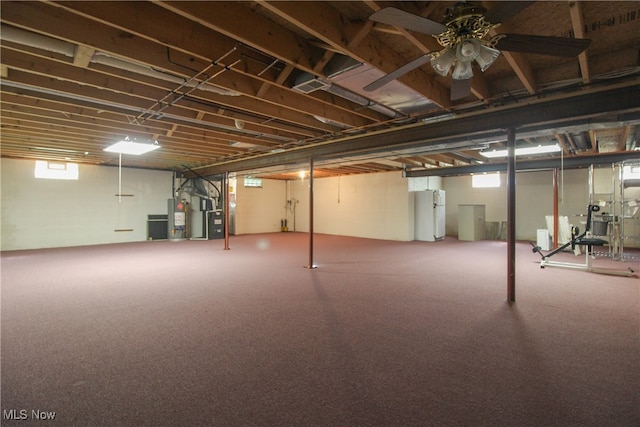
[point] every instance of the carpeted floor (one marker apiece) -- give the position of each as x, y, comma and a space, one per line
381, 334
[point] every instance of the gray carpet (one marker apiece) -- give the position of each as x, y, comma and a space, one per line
381, 334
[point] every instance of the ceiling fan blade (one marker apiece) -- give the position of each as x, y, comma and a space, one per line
400, 18
542, 45
503, 10
460, 89
377, 84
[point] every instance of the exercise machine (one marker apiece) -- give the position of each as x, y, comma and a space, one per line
581, 239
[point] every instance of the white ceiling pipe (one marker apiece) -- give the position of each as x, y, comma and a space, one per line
136, 110
31, 39
38, 41
360, 100
110, 61
121, 64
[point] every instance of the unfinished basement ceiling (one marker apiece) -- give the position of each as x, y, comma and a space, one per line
262, 87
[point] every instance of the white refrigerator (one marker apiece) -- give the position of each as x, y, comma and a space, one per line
429, 215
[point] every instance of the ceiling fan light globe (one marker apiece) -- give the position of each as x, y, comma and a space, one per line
486, 57
468, 50
443, 61
462, 71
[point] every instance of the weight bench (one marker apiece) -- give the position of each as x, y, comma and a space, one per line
584, 239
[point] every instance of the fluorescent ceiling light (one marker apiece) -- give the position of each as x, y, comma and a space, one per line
523, 151
127, 146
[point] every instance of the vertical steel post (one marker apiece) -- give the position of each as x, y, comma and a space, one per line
556, 216
310, 265
226, 211
511, 215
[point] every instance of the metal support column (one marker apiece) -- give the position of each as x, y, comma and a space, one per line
226, 211
556, 217
511, 215
311, 264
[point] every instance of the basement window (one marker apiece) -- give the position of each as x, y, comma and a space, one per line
488, 180
631, 172
250, 181
56, 170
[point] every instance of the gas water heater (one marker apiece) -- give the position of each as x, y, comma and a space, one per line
177, 219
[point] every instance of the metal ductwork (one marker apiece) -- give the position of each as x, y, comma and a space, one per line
632, 141
196, 187
581, 141
361, 100
307, 83
38, 41
28, 38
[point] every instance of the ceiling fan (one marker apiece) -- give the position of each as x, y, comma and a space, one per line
462, 37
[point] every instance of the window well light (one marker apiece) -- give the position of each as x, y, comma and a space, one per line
56, 170
523, 151
491, 180
127, 146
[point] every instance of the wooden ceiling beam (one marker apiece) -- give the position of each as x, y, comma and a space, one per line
229, 18
232, 19
41, 107
111, 87
479, 84
325, 23
408, 161
626, 131
110, 121
91, 132
73, 26
474, 154
577, 23
518, 62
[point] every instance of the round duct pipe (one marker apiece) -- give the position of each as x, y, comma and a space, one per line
39, 41
31, 39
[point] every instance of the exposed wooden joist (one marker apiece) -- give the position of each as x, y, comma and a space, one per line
577, 22
63, 88
112, 88
524, 165
305, 15
76, 28
518, 62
